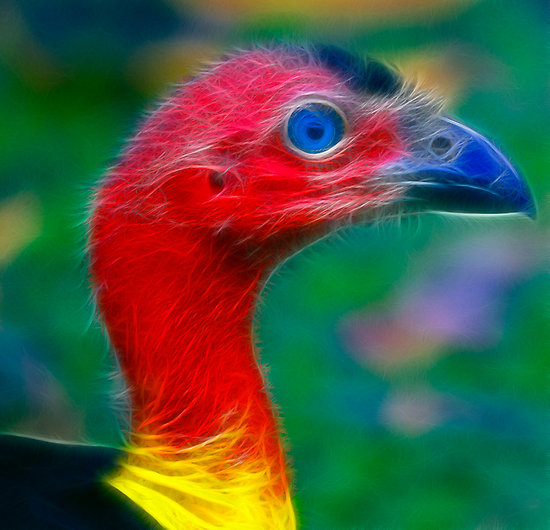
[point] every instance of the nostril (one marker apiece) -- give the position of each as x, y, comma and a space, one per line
441, 145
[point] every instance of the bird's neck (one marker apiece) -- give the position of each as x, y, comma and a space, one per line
179, 316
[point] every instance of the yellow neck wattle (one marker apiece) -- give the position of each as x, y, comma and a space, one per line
203, 487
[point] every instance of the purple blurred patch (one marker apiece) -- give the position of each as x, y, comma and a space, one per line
457, 300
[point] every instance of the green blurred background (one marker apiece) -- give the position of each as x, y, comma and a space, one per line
410, 361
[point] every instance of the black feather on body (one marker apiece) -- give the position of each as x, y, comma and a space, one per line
48, 485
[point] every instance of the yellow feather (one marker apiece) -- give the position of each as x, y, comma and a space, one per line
203, 488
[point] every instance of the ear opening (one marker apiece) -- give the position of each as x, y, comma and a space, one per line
216, 180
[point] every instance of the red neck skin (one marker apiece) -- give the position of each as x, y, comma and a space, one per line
178, 306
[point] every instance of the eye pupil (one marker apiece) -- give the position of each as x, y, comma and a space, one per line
314, 128
315, 132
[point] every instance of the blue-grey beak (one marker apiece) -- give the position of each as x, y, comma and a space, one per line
461, 171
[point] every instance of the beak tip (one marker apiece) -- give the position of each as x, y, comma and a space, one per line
531, 210
519, 196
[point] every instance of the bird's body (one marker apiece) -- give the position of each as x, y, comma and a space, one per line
262, 154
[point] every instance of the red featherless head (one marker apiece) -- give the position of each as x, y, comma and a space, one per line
266, 149
268, 142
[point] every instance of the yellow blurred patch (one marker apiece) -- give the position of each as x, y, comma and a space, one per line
330, 10
22, 53
159, 64
446, 73
20, 224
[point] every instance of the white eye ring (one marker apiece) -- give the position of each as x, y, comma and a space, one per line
314, 114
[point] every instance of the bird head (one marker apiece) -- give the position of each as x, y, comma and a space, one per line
288, 142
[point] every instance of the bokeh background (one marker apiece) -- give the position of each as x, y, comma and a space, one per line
410, 361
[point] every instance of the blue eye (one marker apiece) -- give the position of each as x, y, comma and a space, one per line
314, 129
